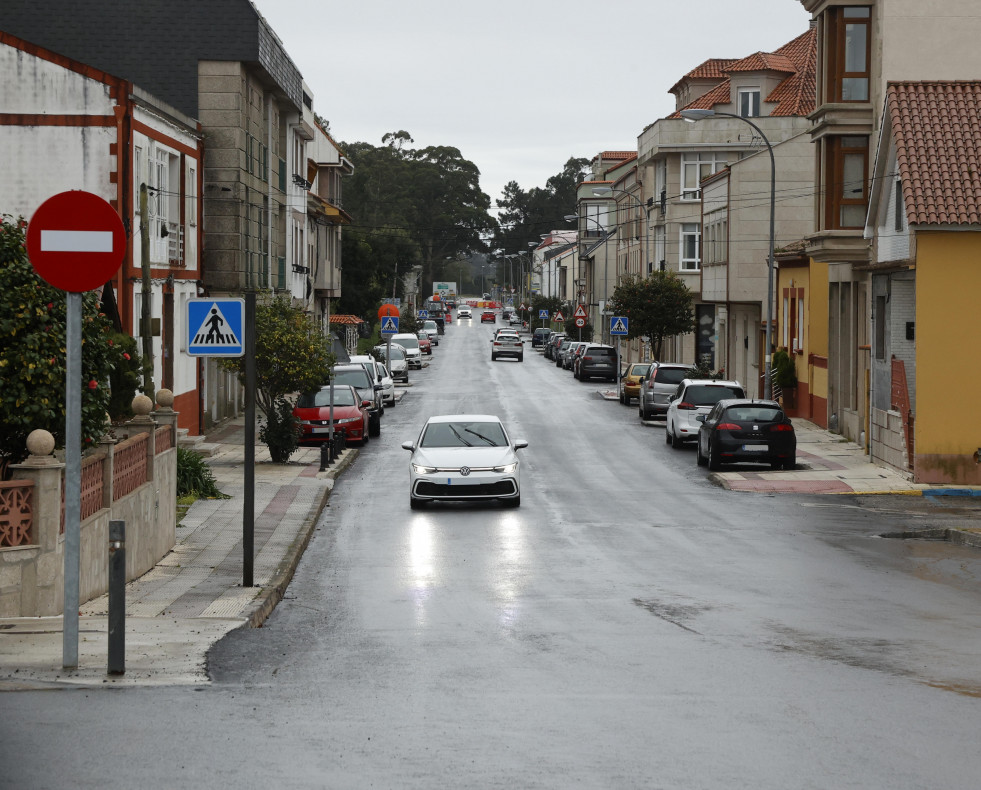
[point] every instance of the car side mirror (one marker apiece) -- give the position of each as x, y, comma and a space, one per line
408, 446
366, 403
519, 443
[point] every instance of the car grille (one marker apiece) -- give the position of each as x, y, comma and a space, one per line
498, 488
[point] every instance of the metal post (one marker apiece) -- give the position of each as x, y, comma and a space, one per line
73, 479
248, 512
117, 598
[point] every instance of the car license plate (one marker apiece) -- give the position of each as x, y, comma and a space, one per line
319, 429
755, 448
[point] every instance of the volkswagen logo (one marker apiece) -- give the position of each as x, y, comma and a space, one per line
464, 470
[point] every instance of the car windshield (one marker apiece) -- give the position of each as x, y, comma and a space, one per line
343, 396
407, 342
670, 375
639, 370
752, 413
356, 378
710, 394
464, 434
599, 352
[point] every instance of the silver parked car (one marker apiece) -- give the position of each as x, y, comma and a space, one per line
657, 387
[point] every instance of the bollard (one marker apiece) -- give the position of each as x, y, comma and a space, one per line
117, 598
325, 455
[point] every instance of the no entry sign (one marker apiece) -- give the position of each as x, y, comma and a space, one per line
76, 241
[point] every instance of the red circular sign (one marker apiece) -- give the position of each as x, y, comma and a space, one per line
386, 310
76, 241
580, 322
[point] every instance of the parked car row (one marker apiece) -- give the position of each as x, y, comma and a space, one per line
713, 414
362, 387
586, 360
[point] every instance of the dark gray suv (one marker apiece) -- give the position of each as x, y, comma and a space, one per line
367, 388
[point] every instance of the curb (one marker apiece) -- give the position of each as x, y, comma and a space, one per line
270, 596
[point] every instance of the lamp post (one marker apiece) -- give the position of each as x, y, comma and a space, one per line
606, 259
697, 115
601, 191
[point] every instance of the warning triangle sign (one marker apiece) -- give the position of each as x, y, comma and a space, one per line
618, 328
559, 317
215, 330
580, 312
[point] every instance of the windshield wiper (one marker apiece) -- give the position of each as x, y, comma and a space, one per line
481, 436
457, 433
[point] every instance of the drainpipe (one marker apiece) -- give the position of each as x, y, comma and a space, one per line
269, 188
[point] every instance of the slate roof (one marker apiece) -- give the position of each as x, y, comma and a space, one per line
938, 150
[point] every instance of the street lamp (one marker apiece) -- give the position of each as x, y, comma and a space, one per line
697, 115
606, 259
611, 191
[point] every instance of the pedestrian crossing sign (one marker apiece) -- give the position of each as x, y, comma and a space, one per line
618, 325
543, 313
390, 325
215, 327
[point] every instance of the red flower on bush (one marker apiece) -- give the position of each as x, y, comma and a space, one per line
93, 384
126, 356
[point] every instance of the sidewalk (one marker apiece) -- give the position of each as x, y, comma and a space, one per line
194, 596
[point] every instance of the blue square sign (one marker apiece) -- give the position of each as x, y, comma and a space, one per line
216, 327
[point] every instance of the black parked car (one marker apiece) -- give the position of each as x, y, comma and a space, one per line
738, 430
553, 342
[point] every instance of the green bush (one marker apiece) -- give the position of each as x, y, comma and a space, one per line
194, 477
280, 431
784, 371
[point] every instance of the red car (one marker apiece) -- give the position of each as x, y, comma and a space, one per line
488, 316
350, 415
425, 345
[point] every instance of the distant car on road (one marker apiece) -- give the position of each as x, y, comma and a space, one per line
488, 317
507, 344
463, 312
746, 430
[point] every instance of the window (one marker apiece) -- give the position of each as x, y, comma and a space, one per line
899, 207
191, 210
137, 177
847, 165
848, 45
690, 237
695, 167
749, 102
659, 247
660, 184
596, 219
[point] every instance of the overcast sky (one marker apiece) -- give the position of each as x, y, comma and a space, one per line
519, 86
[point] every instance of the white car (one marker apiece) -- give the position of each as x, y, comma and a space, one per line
463, 312
467, 457
694, 397
381, 376
431, 329
412, 351
399, 363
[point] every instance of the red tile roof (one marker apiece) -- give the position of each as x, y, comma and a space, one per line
794, 96
605, 155
938, 150
345, 319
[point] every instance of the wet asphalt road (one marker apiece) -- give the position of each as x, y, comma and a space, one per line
630, 626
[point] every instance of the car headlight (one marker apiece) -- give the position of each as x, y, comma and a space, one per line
347, 420
423, 470
507, 469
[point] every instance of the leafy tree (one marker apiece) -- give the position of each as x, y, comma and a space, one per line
412, 207
33, 362
527, 214
291, 355
658, 307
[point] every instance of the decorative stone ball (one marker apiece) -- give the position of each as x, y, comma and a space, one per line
40, 442
142, 405
165, 399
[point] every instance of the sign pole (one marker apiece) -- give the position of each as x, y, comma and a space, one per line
73, 479
248, 513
